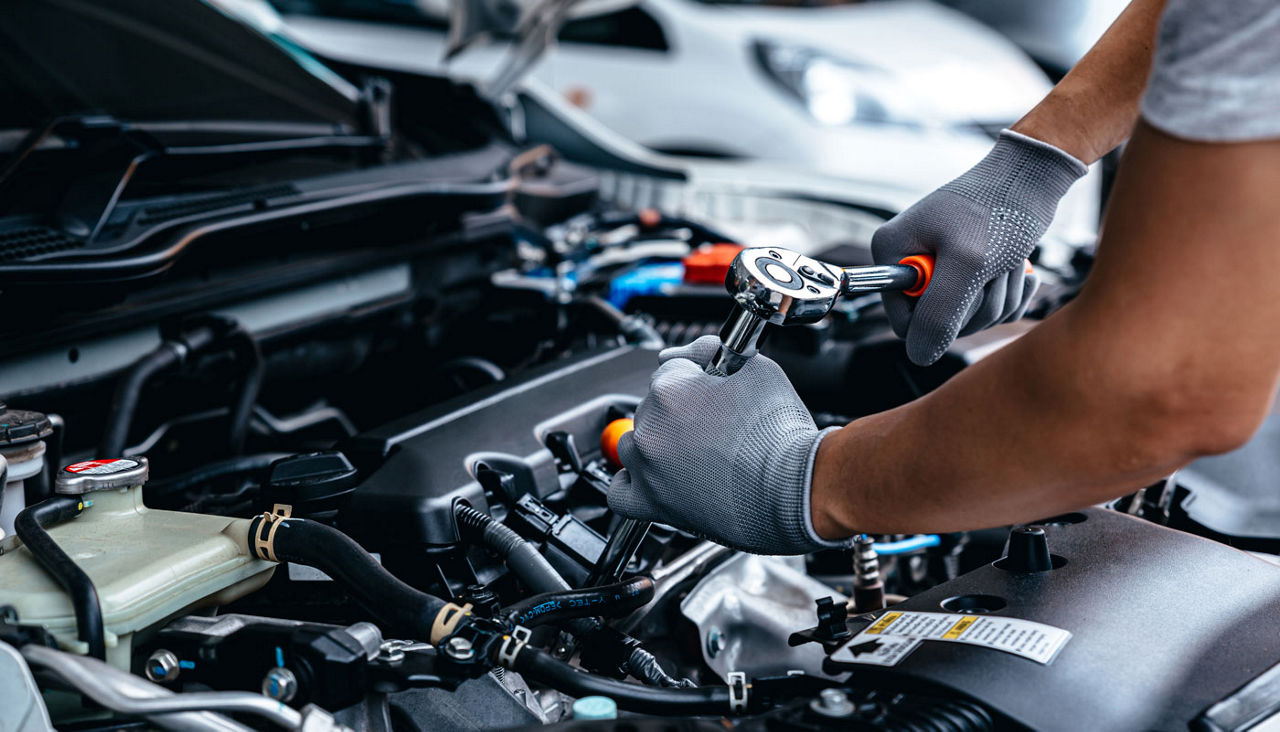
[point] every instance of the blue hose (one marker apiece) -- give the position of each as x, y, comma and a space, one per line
907, 545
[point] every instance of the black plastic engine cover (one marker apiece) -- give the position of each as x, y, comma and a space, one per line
425, 462
1163, 625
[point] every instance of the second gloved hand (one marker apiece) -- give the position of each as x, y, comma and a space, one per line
980, 228
727, 458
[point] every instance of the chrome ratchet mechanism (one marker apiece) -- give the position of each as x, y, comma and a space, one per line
780, 287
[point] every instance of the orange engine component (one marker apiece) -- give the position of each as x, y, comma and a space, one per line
612, 434
708, 265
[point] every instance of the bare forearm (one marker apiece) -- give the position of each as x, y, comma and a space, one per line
1031, 432
1170, 352
1093, 109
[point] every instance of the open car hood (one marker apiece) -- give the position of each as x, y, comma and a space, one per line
142, 60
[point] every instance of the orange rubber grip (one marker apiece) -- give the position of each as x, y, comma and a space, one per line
611, 436
923, 265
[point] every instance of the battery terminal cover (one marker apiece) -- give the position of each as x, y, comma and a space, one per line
708, 265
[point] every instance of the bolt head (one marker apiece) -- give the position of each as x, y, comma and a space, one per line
832, 703
459, 649
715, 642
280, 684
163, 666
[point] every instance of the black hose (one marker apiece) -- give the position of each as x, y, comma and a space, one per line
239, 465
31, 526
125, 401
173, 352
537, 665
401, 608
246, 346
635, 329
605, 601
525, 560
645, 667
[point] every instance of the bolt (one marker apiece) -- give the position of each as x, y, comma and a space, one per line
832, 703
459, 649
280, 684
163, 666
715, 642
369, 638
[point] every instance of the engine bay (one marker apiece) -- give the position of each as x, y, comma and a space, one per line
425, 544
312, 445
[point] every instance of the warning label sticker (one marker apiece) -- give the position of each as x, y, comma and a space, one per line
102, 467
1035, 641
884, 651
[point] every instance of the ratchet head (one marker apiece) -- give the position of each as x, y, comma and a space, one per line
771, 285
782, 287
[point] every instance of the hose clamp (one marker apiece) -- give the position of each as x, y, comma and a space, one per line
447, 621
737, 692
512, 645
265, 539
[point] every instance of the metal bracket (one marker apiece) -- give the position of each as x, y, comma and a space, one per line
512, 645
737, 692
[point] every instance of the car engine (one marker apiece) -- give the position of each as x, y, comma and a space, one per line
327, 446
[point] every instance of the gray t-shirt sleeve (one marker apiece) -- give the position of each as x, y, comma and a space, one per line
1216, 72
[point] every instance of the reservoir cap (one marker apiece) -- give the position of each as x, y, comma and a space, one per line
18, 426
101, 475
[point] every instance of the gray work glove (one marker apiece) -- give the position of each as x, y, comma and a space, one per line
729, 458
980, 228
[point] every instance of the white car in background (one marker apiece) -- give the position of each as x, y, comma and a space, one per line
904, 93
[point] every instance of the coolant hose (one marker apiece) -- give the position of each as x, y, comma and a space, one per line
125, 401
605, 601
635, 329
401, 608
525, 560
538, 665
246, 346
32, 525
244, 465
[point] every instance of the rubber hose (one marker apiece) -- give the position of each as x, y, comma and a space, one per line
539, 666
32, 525
635, 329
604, 601
645, 667
401, 608
240, 465
125, 401
128, 392
525, 560
247, 346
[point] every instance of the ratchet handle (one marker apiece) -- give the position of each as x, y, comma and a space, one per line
923, 270
910, 276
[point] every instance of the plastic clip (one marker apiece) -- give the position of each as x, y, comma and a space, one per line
737, 692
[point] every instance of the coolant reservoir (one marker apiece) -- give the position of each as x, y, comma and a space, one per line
148, 566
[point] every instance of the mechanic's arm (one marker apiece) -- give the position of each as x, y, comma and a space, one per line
1170, 352
1095, 106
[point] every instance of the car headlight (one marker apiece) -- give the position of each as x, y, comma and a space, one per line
835, 91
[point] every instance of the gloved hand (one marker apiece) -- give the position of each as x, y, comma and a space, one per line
729, 458
980, 228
